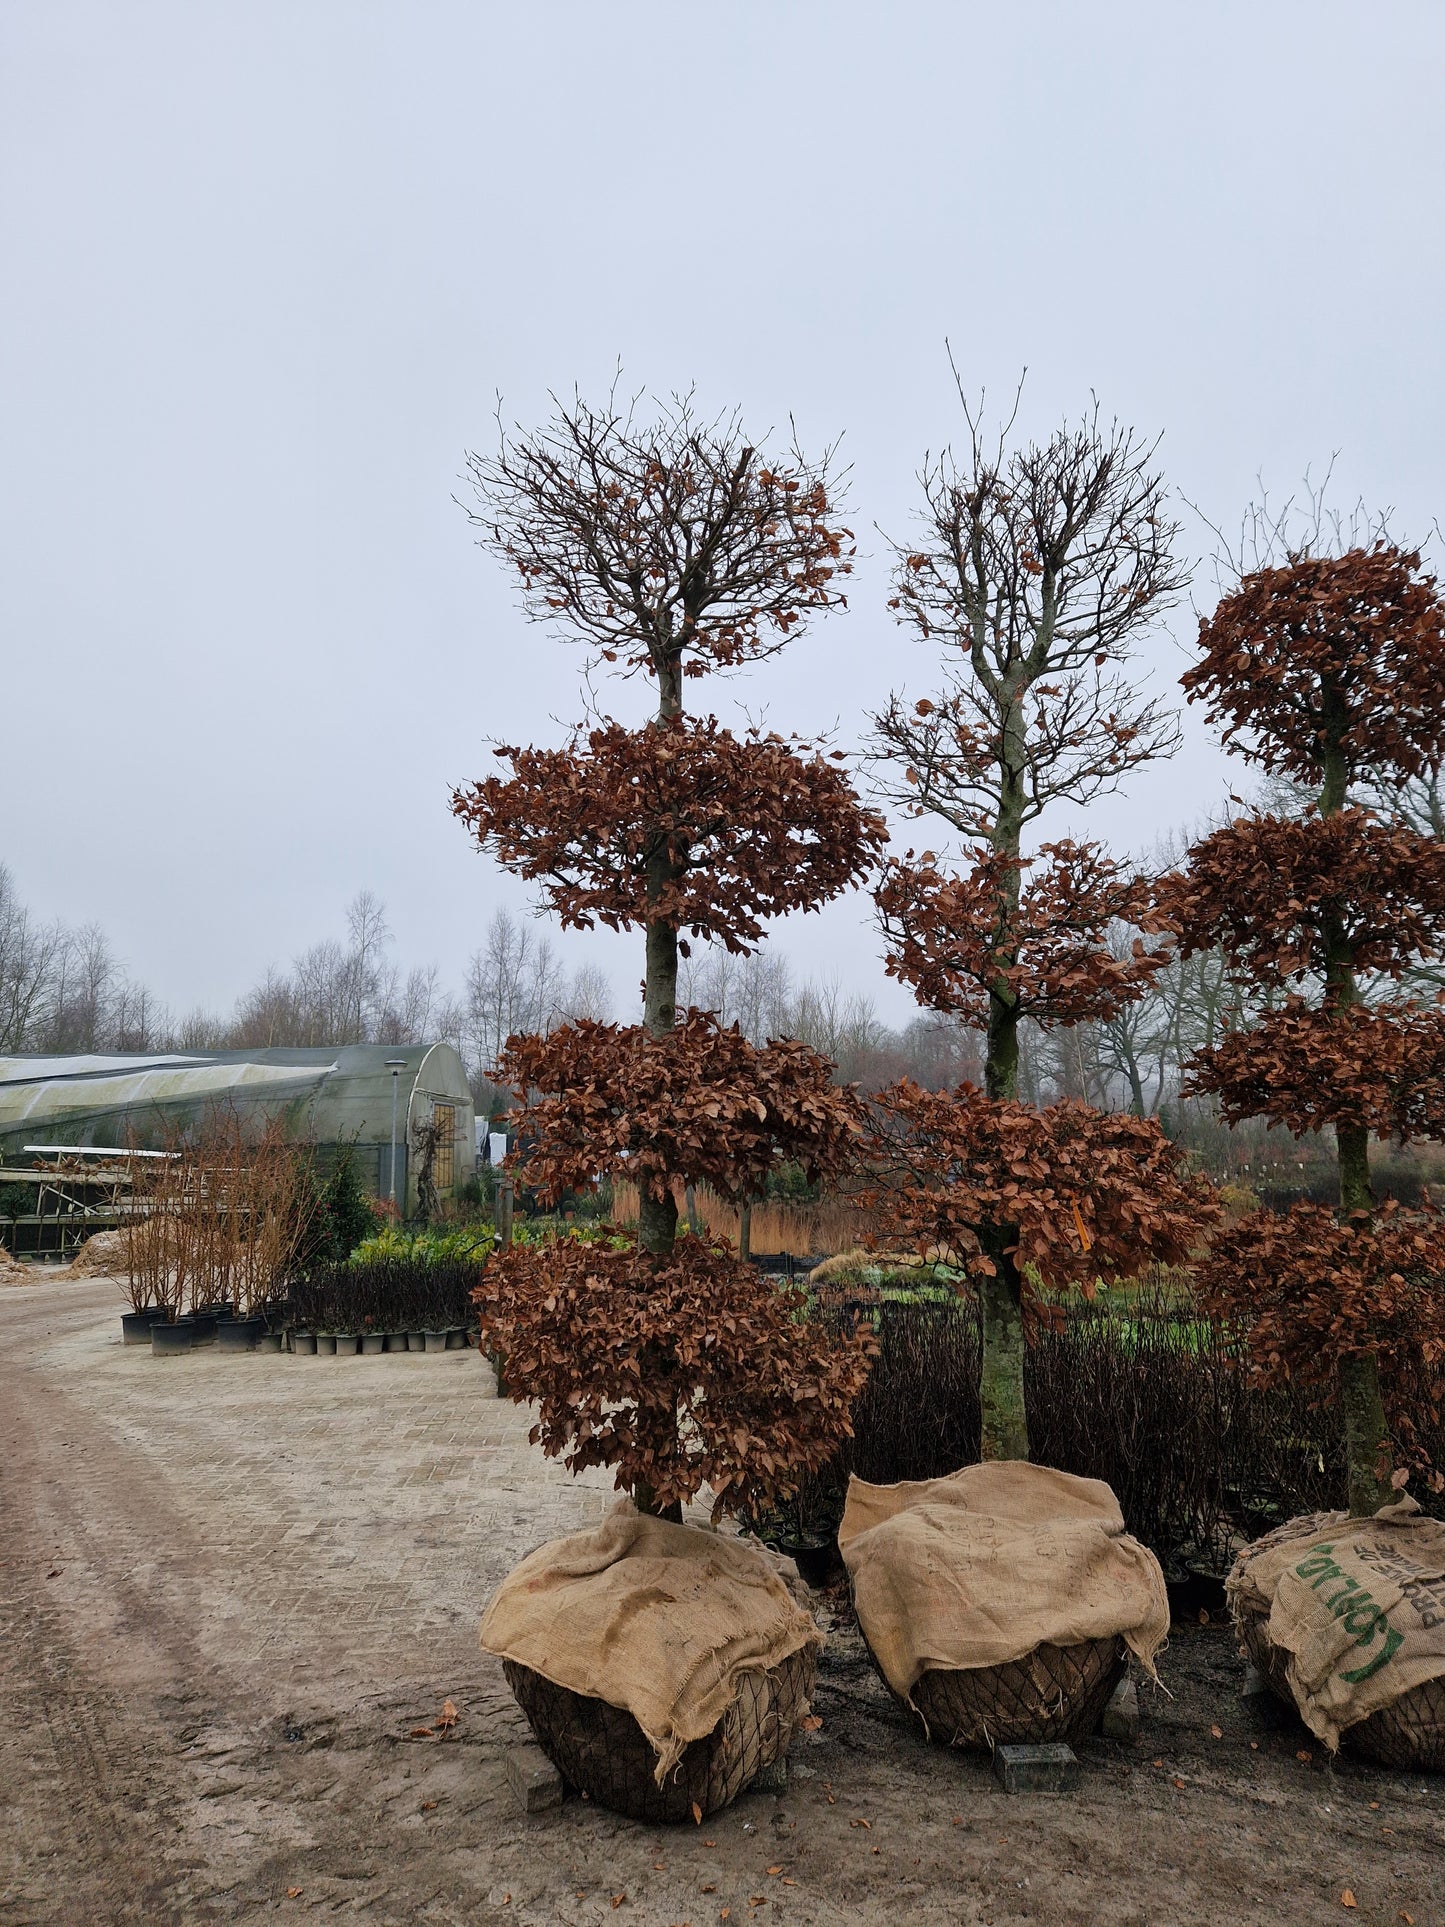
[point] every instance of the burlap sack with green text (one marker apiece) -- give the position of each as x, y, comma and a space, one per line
1356, 1608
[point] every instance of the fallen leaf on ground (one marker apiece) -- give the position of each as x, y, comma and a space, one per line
696, 1814
1254, 1746
421, 1733
449, 1716
775, 1870
1305, 1755
861, 1823
1203, 1616
1409, 1919
1374, 1806
811, 1724
293, 1893
1156, 1763
1347, 1899
428, 1806
1176, 1781
710, 1888
617, 1899
1216, 1732
54, 1572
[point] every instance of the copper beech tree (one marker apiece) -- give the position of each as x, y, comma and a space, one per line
1330, 669
672, 547
1037, 570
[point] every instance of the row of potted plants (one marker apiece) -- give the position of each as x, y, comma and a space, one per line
274, 1329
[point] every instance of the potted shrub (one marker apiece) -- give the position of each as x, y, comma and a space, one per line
1327, 671
672, 547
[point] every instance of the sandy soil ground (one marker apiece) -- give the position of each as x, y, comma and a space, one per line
230, 1588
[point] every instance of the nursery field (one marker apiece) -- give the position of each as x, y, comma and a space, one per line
237, 1593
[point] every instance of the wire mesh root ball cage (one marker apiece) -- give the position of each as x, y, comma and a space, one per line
1408, 1735
1052, 1696
600, 1750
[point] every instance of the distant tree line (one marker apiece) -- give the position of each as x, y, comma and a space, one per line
64, 991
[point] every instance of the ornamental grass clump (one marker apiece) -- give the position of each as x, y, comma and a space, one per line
672, 548
1329, 671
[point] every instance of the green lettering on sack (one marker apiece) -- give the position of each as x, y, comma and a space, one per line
1334, 1603
1393, 1642
1319, 1560
1361, 1617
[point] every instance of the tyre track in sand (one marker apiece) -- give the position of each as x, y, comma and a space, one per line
91, 1828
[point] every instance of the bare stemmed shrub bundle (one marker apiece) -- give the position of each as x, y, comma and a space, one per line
673, 547
219, 1218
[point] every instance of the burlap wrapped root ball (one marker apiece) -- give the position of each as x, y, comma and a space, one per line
1000, 1603
1346, 1620
660, 1666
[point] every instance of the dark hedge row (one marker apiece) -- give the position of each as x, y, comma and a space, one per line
386, 1294
1155, 1402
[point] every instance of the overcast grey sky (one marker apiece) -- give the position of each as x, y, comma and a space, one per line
265, 268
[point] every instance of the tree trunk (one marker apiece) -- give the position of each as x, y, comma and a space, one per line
657, 1217
1005, 1432
1367, 1437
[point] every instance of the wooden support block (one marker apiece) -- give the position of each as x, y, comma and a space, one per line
1256, 1686
1036, 1769
1121, 1715
535, 1783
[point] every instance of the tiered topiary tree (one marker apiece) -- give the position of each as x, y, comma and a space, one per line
1330, 669
673, 548
1038, 569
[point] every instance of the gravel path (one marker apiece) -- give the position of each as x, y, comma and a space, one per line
231, 1588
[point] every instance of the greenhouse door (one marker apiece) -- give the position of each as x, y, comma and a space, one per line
444, 1161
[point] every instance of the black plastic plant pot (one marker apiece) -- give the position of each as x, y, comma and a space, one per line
818, 1560
203, 1324
457, 1338
373, 1343
304, 1343
237, 1335
270, 1342
347, 1344
169, 1341
395, 1341
326, 1344
135, 1326
416, 1341
1192, 1590
436, 1341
